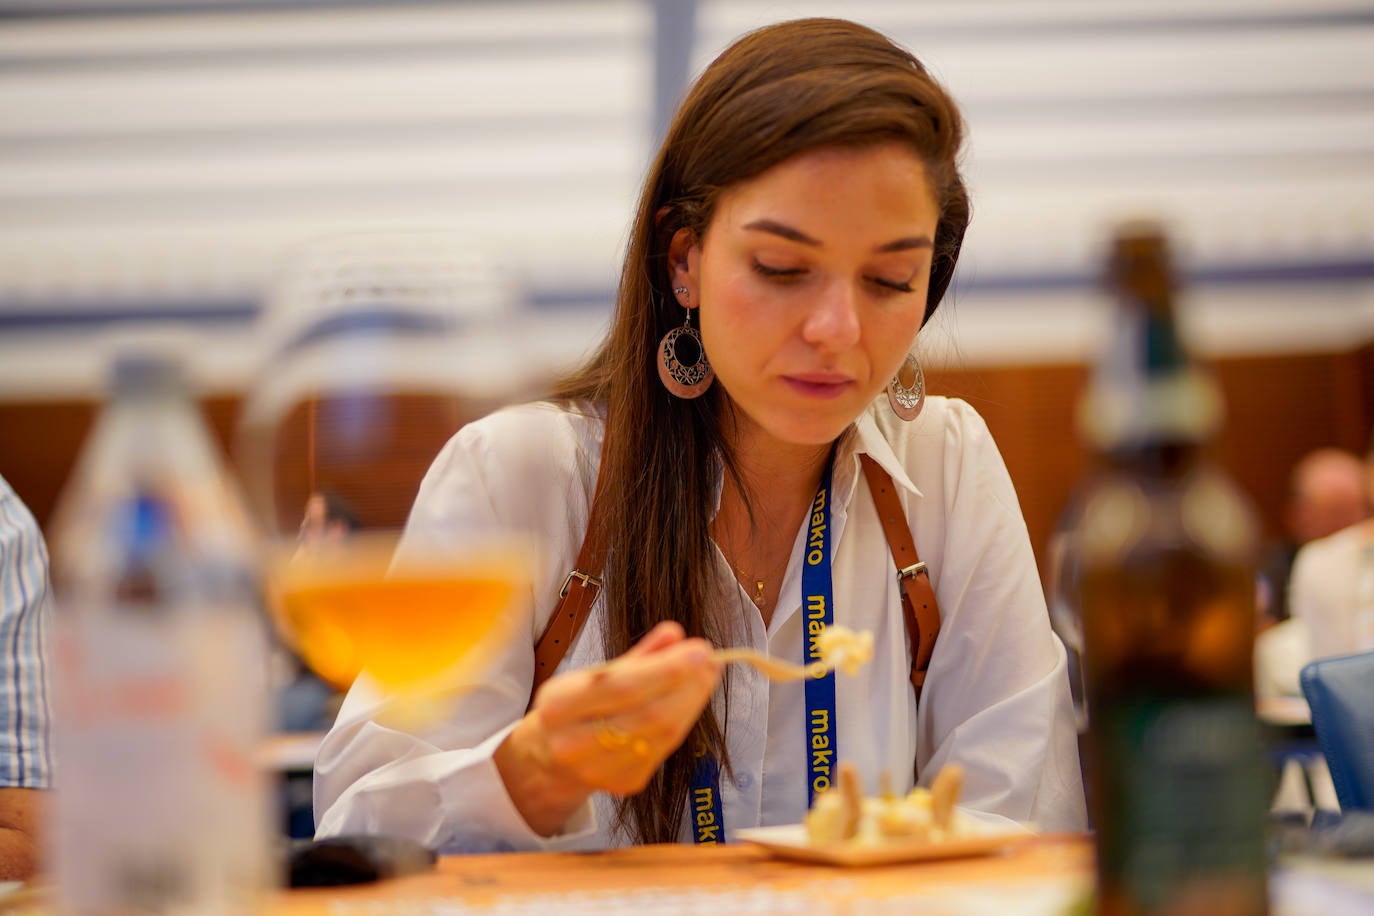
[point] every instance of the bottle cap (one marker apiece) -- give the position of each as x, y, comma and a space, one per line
146, 372
148, 359
1139, 264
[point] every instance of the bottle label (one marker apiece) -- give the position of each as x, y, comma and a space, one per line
1184, 786
160, 805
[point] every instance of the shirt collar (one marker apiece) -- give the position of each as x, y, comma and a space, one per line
865, 437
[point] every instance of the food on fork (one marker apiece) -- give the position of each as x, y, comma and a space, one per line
837, 646
842, 814
843, 648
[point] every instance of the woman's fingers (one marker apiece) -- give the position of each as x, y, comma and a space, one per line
617, 754
632, 681
662, 665
663, 718
663, 635
611, 728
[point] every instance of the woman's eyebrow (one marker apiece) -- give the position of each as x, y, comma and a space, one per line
796, 235
779, 229
906, 244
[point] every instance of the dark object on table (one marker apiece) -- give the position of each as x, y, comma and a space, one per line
1340, 692
1331, 835
355, 860
1351, 837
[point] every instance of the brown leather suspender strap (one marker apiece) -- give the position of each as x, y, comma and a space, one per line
919, 607
575, 600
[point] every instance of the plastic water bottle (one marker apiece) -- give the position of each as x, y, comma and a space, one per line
160, 682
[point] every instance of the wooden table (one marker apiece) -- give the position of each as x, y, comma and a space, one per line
1050, 875
1043, 876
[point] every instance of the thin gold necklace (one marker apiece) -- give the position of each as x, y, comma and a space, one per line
758, 593
759, 587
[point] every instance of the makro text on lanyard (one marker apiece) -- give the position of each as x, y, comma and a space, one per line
708, 823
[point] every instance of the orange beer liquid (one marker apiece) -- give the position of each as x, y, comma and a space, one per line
344, 611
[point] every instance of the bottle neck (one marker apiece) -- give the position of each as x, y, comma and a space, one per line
1159, 458
1145, 389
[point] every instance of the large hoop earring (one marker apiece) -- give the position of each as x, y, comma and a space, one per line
906, 401
690, 379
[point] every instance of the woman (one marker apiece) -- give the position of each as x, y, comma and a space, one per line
805, 212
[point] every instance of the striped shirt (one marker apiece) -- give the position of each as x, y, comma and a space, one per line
25, 617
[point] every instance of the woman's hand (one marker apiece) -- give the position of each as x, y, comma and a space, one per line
608, 728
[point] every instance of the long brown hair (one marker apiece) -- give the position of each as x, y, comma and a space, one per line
776, 92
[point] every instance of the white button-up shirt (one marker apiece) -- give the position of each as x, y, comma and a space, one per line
996, 698
1324, 593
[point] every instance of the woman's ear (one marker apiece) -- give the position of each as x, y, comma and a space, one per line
684, 259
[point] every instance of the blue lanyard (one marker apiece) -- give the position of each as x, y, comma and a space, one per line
708, 822
818, 602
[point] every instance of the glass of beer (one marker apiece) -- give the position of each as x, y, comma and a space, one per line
379, 348
418, 625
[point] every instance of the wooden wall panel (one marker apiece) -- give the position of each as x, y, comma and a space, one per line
39, 441
1278, 406
1365, 385
1031, 413
372, 452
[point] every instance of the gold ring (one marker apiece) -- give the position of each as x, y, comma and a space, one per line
617, 739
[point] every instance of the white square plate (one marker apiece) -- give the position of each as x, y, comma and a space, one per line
789, 841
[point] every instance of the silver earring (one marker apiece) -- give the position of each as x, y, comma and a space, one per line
689, 379
906, 401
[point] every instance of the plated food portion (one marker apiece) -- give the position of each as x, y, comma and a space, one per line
844, 827
925, 815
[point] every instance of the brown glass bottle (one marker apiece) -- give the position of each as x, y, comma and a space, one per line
1167, 595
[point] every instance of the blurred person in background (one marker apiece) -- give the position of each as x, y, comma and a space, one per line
25, 754
328, 517
1319, 599
805, 212
1326, 493
1332, 587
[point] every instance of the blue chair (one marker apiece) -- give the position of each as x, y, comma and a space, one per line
1341, 693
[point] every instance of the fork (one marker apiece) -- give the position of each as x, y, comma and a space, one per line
774, 668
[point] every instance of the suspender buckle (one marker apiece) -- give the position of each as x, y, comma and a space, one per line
912, 571
588, 581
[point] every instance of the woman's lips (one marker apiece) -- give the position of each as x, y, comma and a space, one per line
819, 386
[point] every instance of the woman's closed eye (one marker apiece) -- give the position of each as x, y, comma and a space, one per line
788, 274
891, 286
781, 274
